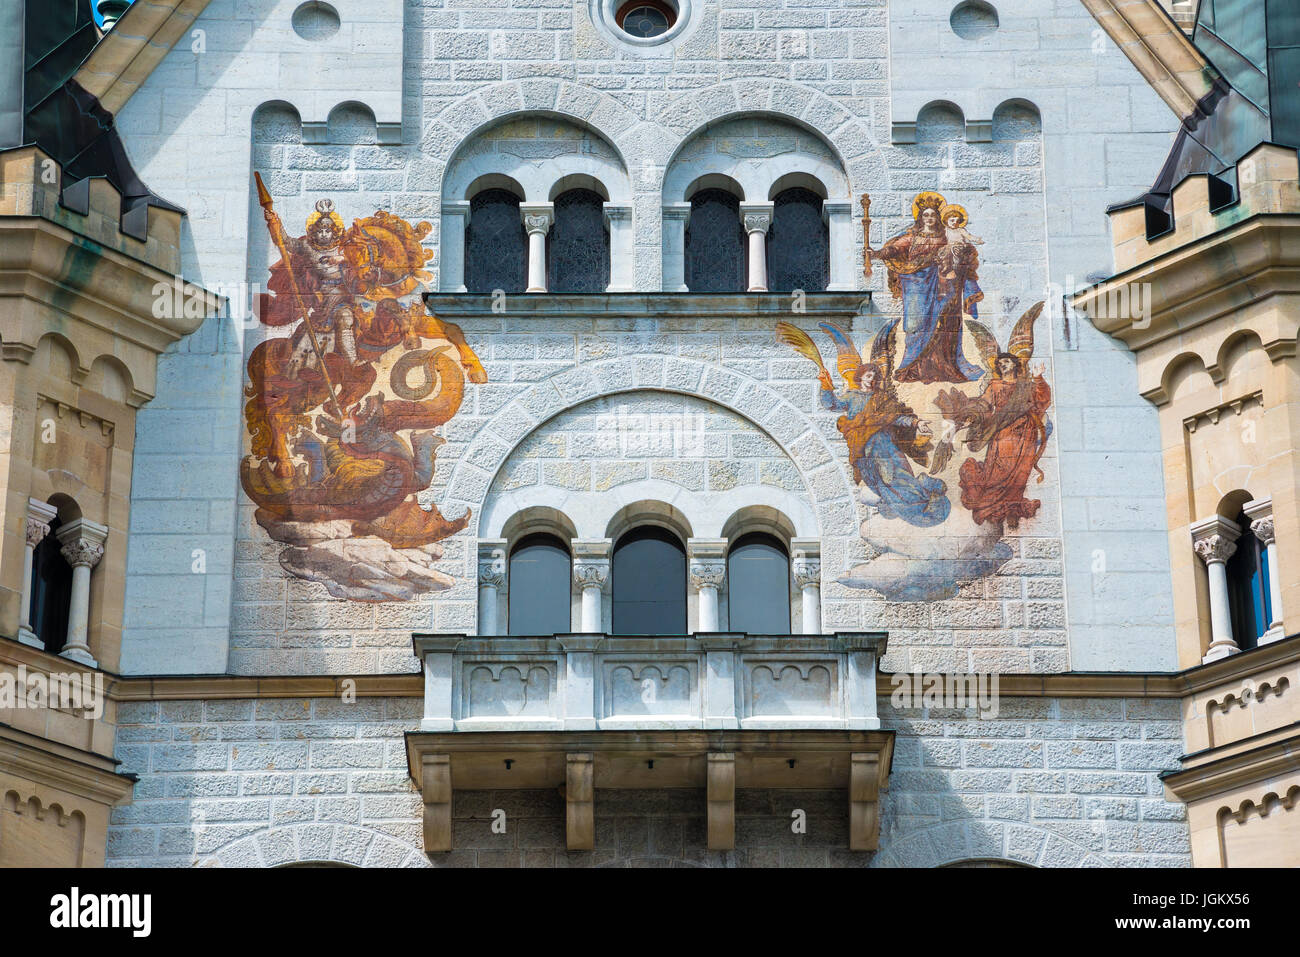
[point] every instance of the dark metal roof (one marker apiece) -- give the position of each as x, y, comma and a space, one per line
1254, 47
62, 118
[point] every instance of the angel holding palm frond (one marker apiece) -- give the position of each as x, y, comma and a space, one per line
882, 433
1007, 421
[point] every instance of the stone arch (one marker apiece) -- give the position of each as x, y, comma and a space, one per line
706, 155
276, 121
1017, 119
793, 430
581, 156
1179, 371
316, 842
940, 121
942, 844
352, 122
463, 119
805, 107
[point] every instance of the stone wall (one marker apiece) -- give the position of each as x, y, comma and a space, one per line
1063, 782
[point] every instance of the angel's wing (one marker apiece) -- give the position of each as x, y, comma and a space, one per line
882, 350
849, 361
801, 342
1021, 343
984, 341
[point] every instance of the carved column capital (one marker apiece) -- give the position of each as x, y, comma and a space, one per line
1215, 548
36, 531
538, 217
1262, 528
708, 573
591, 572
82, 552
83, 542
1215, 539
807, 571
492, 569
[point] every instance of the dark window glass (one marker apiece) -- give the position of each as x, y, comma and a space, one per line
1248, 600
539, 586
51, 591
758, 586
649, 583
578, 244
798, 243
646, 19
715, 243
496, 248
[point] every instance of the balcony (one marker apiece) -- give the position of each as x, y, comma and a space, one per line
711, 711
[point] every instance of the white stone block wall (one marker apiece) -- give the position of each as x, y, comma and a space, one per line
844, 69
1062, 783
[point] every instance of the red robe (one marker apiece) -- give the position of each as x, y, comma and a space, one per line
994, 490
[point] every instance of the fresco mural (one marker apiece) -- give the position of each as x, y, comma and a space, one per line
906, 476
342, 401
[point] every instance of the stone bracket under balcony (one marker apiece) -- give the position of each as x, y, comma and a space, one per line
703, 682
581, 763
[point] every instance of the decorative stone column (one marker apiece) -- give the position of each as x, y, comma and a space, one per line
675, 218
757, 218
39, 516
537, 223
1260, 512
451, 245
840, 229
83, 547
806, 567
1215, 539
622, 249
590, 572
707, 570
491, 579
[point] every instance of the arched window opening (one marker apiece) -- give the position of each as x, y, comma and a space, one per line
798, 243
540, 569
649, 583
51, 591
1248, 588
496, 248
758, 585
715, 243
578, 250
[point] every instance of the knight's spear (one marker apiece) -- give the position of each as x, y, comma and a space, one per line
866, 235
264, 198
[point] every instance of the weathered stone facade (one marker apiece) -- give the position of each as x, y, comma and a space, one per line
1059, 783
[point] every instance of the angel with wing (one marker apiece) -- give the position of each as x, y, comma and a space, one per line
882, 432
1007, 421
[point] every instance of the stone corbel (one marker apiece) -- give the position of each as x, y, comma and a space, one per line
435, 775
865, 774
579, 802
721, 794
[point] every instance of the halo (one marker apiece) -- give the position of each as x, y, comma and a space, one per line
950, 208
927, 200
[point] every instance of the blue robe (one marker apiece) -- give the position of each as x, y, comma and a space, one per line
882, 464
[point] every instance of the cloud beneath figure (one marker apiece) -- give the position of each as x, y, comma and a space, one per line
915, 566
367, 569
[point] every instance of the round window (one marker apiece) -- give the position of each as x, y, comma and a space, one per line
646, 18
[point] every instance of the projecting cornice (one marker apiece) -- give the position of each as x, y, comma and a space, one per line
1164, 55
124, 58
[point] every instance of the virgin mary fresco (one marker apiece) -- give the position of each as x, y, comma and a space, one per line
937, 282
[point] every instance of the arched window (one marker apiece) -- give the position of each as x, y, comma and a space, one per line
540, 570
578, 248
758, 585
798, 243
51, 591
715, 243
649, 584
1248, 588
496, 249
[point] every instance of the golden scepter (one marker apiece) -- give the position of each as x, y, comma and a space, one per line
264, 198
866, 235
